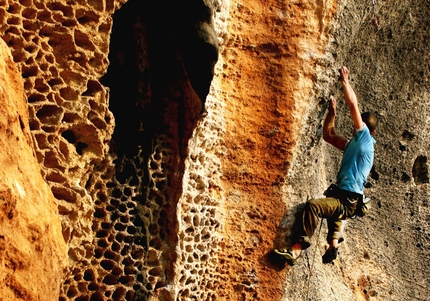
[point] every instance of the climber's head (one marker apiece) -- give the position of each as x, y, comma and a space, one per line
370, 120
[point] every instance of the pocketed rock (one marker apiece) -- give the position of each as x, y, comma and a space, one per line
160, 202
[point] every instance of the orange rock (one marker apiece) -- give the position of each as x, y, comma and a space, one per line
32, 248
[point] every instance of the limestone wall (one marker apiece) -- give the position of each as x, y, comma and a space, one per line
385, 253
31, 243
158, 201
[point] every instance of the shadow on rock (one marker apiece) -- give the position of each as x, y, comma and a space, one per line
273, 261
287, 233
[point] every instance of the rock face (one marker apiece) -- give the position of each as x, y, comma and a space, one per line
31, 244
160, 202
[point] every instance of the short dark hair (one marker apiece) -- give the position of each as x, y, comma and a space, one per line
370, 120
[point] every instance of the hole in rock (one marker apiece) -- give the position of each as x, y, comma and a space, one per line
49, 114
89, 275
93, 286
80, 146
119, 293
110, 279
408, 135
420, 170
69, 136
97, 296
107, 264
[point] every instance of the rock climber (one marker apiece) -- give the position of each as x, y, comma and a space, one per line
344, 199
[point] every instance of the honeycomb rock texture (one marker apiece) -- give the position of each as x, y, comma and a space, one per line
166, 147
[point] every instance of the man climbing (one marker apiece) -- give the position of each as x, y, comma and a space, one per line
345, 198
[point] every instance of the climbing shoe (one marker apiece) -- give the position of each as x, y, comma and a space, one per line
330, 255
286, 254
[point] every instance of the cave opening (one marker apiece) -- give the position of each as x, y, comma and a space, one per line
148, 98
156, 95
128, 78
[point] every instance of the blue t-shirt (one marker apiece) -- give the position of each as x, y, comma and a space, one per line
357, 161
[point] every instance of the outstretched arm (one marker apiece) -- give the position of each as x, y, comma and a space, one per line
329, 133
351, 99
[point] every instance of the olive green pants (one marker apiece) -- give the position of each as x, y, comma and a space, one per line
329, 208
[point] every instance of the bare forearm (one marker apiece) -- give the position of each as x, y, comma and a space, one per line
349, 94
329, 133
350, 98
328, 126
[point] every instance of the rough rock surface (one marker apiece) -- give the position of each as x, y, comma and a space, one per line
158, 202
32, 250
